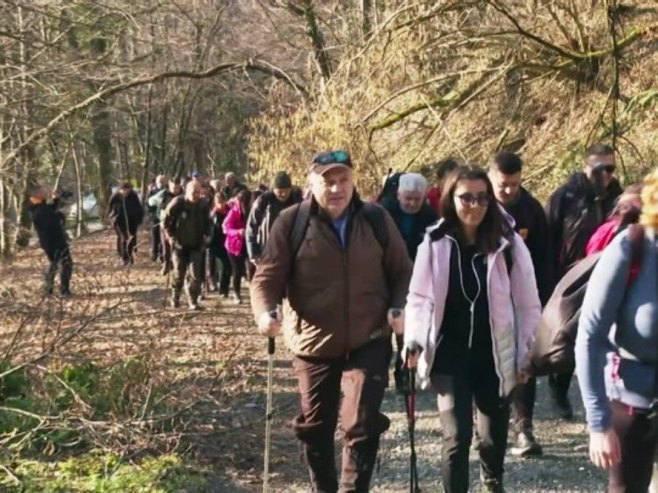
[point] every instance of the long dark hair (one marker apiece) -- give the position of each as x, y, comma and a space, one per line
244, 201
493, 226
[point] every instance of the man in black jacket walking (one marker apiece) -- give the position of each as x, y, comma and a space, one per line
49, 227
574, 211
125, 214
530, 223
412, 216
265, 210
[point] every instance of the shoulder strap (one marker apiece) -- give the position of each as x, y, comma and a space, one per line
299, 226
375, 215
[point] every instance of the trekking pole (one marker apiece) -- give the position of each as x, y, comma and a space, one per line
410, 401
268, 409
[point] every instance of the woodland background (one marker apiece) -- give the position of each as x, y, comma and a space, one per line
95, 91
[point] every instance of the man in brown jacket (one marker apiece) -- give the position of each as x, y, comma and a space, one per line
344, 282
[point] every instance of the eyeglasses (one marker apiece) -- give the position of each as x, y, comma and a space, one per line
608, 168
470, 200
331, 157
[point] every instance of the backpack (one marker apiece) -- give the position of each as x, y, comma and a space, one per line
556, 332
390, 189
374, 214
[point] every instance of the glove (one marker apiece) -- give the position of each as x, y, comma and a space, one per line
269, 323
395, 319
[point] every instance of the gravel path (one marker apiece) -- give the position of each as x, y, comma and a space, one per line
564, 466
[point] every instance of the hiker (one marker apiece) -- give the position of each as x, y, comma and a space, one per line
412, 215
626, 212
574, 211
158, 186
235, 243
160, 201
505, 173
471, 313
186, 224
617, 352
441, 171
49, 227
265, 210
343, 266
232, 186
125, 214
216, 248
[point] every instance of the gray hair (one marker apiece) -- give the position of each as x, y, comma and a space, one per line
412, 182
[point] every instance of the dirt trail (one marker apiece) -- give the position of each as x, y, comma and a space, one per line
216, 365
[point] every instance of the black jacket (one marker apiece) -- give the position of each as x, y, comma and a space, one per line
574, 212
233, 191
532, 226
49, 227
263, 213
413, 235
125, 213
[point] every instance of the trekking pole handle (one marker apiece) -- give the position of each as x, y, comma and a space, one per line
270, 345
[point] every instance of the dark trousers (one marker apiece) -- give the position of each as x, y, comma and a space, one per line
456, 395
166, 249
361, 377
187, 262
156, 242
523, 403
126, 242
59, 257
638, 448
559, 386
238, 270
223, 278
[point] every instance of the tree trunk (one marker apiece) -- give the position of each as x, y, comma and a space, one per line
317, 41
80, 223
147, 146
100, 122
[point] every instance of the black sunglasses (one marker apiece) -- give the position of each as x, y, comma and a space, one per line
608, 168
470, 200
331, 157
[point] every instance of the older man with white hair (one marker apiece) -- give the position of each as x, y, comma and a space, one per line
412, 216
232, 186
341, 264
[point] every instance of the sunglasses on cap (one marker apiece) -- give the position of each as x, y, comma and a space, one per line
608, 168
470, 200
332, 157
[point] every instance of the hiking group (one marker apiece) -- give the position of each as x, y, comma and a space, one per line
464, 272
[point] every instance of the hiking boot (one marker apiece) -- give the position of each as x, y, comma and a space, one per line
174, 303
526, 445
65, 294
237, 299
194, 306
492, 486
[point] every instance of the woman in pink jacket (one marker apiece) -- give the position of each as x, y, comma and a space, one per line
471, 313
234, 229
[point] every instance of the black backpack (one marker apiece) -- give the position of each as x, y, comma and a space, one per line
390, 189
374, 214
557, 329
